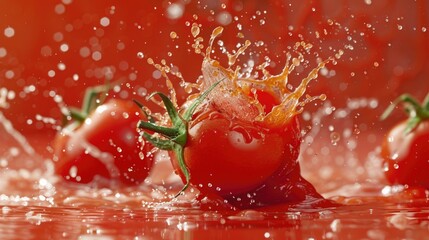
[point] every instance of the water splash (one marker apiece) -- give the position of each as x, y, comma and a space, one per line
16, 135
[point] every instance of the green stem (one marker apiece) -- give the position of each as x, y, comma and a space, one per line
92, 100
174, 138
179, 152
426, 102
171, 110
417, 112
142, 108
168, 132
77, 115
159, 142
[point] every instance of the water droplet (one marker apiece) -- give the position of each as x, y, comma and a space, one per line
267, 235
195, 30
173, 35
224, 18
59, 9
140, 55
58, 37
335, 138
3, 52
175, 10
96, 56
64, 47
9, 32
9, 74
104, 21
61, 66
73, 171
51, 73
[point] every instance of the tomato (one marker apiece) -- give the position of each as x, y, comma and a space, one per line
232, 157
405, 148
105, 146
243, 143
246, 164
405, 155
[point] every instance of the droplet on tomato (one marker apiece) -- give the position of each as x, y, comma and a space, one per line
73, 171
396, 166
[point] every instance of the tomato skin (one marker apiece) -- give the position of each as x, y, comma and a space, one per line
405, 156
111, 130
230, 157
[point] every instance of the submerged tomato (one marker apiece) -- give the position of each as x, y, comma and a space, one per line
405, 149
105, 146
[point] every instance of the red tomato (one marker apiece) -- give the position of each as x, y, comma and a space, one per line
245, 163
105, 146
223, 150
406, 155
405, 148
231, 157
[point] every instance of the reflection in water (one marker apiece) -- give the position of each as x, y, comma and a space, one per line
373, 221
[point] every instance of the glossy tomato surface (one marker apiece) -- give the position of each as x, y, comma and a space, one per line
231, 157
406, 155
105, 146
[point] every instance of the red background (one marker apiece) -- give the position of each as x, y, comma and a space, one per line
389, 39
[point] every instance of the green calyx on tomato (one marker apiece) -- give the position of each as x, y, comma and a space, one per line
94, 97
173, 138
416, 111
